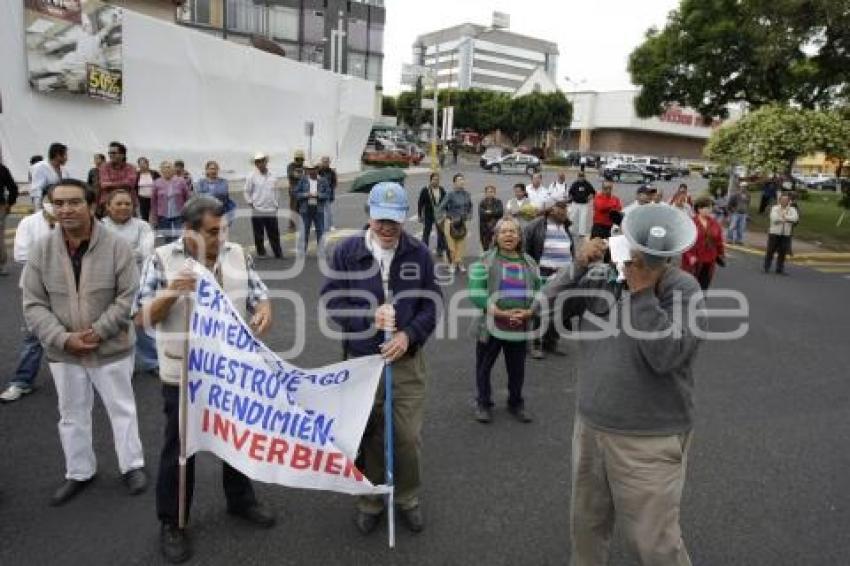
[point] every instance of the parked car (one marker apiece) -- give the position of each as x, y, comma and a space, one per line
813, 181
514, 163
627, 173
834, 184
491, 153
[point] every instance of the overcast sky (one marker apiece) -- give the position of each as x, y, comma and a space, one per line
594, 38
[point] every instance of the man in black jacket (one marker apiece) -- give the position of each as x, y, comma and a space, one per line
429, 197
8, 196
549, 242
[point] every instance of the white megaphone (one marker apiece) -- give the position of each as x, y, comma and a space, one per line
659, 230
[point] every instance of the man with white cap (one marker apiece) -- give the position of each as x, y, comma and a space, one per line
388, 267
261, 193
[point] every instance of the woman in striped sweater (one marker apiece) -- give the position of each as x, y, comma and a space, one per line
502, 284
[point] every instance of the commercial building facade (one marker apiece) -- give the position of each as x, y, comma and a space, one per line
606, 123
489, 58
339, 35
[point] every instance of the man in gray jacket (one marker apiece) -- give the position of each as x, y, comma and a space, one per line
635, 408
78, 285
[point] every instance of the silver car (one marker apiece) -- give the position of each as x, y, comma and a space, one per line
514, 163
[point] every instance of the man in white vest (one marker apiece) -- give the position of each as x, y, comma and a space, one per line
166, 287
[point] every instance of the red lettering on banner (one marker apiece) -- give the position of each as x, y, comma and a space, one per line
351, 470
238, 442
331, 465
300, 457
317, 461
221, 427
277, 449
261, 447
258, 446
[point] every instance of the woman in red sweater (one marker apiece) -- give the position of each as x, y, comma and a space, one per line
708, 249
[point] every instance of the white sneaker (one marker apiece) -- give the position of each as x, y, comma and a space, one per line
14, 392
462, 268
452, 269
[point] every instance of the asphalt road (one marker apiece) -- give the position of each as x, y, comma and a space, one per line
767, 478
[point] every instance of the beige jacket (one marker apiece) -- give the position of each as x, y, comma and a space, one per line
53, 307
782, 220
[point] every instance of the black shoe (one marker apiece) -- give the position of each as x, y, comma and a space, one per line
68, 491
174, 544
256, 514
778, 272
520, 414
553, 349
136, 480
366, 522
412, 519
483, 414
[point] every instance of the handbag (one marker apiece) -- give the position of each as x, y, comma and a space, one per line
457, 229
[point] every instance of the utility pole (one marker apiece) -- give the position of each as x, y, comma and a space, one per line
434, 157
337, 39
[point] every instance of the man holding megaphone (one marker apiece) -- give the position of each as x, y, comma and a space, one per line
635, 390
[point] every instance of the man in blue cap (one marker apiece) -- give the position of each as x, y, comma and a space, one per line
384, 280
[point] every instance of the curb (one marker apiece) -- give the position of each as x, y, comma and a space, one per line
805, 256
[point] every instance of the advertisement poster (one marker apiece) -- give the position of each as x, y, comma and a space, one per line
74, 46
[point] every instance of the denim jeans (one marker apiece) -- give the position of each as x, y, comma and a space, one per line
29, 360
313, 216
168, 229
737, 227
329, 215
146, 358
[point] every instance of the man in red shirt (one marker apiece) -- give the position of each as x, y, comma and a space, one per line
116, 174
603, 205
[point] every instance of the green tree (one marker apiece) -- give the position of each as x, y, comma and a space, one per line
712, 53
537, 113
388, 106
836, 143
773, 137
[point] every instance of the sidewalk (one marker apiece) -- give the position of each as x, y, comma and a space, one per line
756, 243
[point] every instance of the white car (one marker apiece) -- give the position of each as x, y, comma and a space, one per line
813, 181
514, 163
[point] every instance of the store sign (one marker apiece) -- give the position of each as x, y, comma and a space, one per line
75, 46
675, 115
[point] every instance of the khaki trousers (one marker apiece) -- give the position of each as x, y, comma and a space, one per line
637, 479
457, 248
408, 409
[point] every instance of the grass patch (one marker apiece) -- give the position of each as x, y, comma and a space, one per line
818, 215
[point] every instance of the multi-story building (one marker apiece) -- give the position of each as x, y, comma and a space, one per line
339, 35
490, 58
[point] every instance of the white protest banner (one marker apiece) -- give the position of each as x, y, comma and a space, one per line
269, 419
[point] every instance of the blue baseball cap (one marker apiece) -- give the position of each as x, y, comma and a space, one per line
388, 201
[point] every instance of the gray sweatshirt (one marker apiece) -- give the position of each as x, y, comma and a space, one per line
638, 385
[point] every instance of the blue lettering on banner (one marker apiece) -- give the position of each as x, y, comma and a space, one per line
247, 393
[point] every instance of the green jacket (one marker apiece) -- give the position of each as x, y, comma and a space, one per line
484, 282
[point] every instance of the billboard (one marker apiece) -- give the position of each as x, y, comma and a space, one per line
75, 46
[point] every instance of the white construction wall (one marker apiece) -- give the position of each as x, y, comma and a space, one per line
187, 96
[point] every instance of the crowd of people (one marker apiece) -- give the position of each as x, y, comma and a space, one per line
105, 282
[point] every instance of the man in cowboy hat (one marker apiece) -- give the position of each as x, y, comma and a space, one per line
312, 194
261, 193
